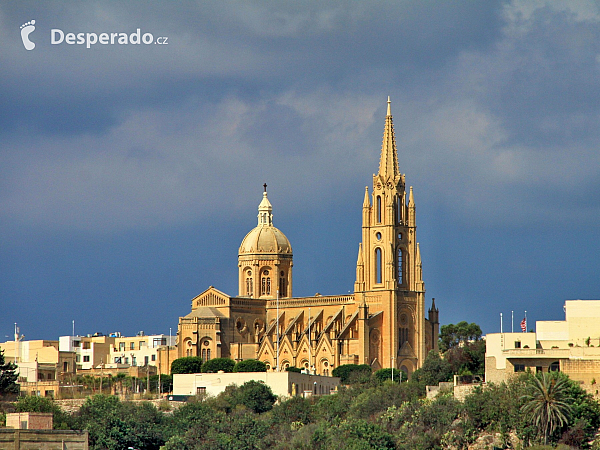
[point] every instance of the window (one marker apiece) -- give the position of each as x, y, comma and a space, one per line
86, 345
403, 336
208, 354
400, 268
133, 361
249, 287
282, 290
126, 360
122, 346
378, 209
538, 369
378, 266
159, 341
142, 344
65, 366
266, 284
554, 367
117, 360
153, 357
517, 344
76, 343
203, 354
519, 367
132, 346
200, 391
86, 358
146, 360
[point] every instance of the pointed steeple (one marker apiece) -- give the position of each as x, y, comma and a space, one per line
265, 210
411, 209
388, 164
366, 202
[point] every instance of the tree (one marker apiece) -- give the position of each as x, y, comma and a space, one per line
187, 364
254, 395
455, 335
33, 403
547, 405
8, 377
250, 365
216, 364
351, 372
434, 370
113, 424
469, 357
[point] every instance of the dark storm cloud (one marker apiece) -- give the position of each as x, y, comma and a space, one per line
258, 47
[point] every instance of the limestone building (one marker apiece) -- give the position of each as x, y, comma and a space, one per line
383, 323
571, 346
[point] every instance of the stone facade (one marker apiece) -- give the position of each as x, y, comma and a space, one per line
383, 323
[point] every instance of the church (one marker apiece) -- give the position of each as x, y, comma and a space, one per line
383, 324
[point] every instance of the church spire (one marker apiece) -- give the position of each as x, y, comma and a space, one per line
388, 164
265, 210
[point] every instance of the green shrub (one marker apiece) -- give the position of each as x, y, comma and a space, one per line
386, 374
352, 372
254, 395
250, 365
293, 369
216, 364
187, 364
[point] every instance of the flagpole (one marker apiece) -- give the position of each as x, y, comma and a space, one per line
525, 321
512, 321
277, 330
501, 331
309, 343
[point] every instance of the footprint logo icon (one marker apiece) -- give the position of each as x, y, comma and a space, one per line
26, 29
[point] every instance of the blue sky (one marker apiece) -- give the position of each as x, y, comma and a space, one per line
129, 174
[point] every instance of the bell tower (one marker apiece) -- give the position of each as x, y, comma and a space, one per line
389, 261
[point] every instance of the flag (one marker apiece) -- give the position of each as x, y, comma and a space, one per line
524, 325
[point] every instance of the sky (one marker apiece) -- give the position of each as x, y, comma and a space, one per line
130, 173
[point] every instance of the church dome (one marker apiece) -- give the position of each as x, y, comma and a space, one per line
265, 238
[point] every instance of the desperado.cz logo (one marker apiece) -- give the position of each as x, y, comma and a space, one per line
58, 36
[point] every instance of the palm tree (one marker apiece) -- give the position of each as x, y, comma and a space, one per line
547, 406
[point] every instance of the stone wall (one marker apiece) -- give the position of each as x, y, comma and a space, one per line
11, 439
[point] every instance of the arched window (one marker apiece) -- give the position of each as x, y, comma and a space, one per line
204, 354
265, 284
398, 210
403, 336
400, 268
282, 290
249, 287
208, 354
378, 266
554, 367
379, 209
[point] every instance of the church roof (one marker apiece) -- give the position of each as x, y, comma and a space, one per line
205, 312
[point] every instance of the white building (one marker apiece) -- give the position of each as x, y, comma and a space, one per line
283, 384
